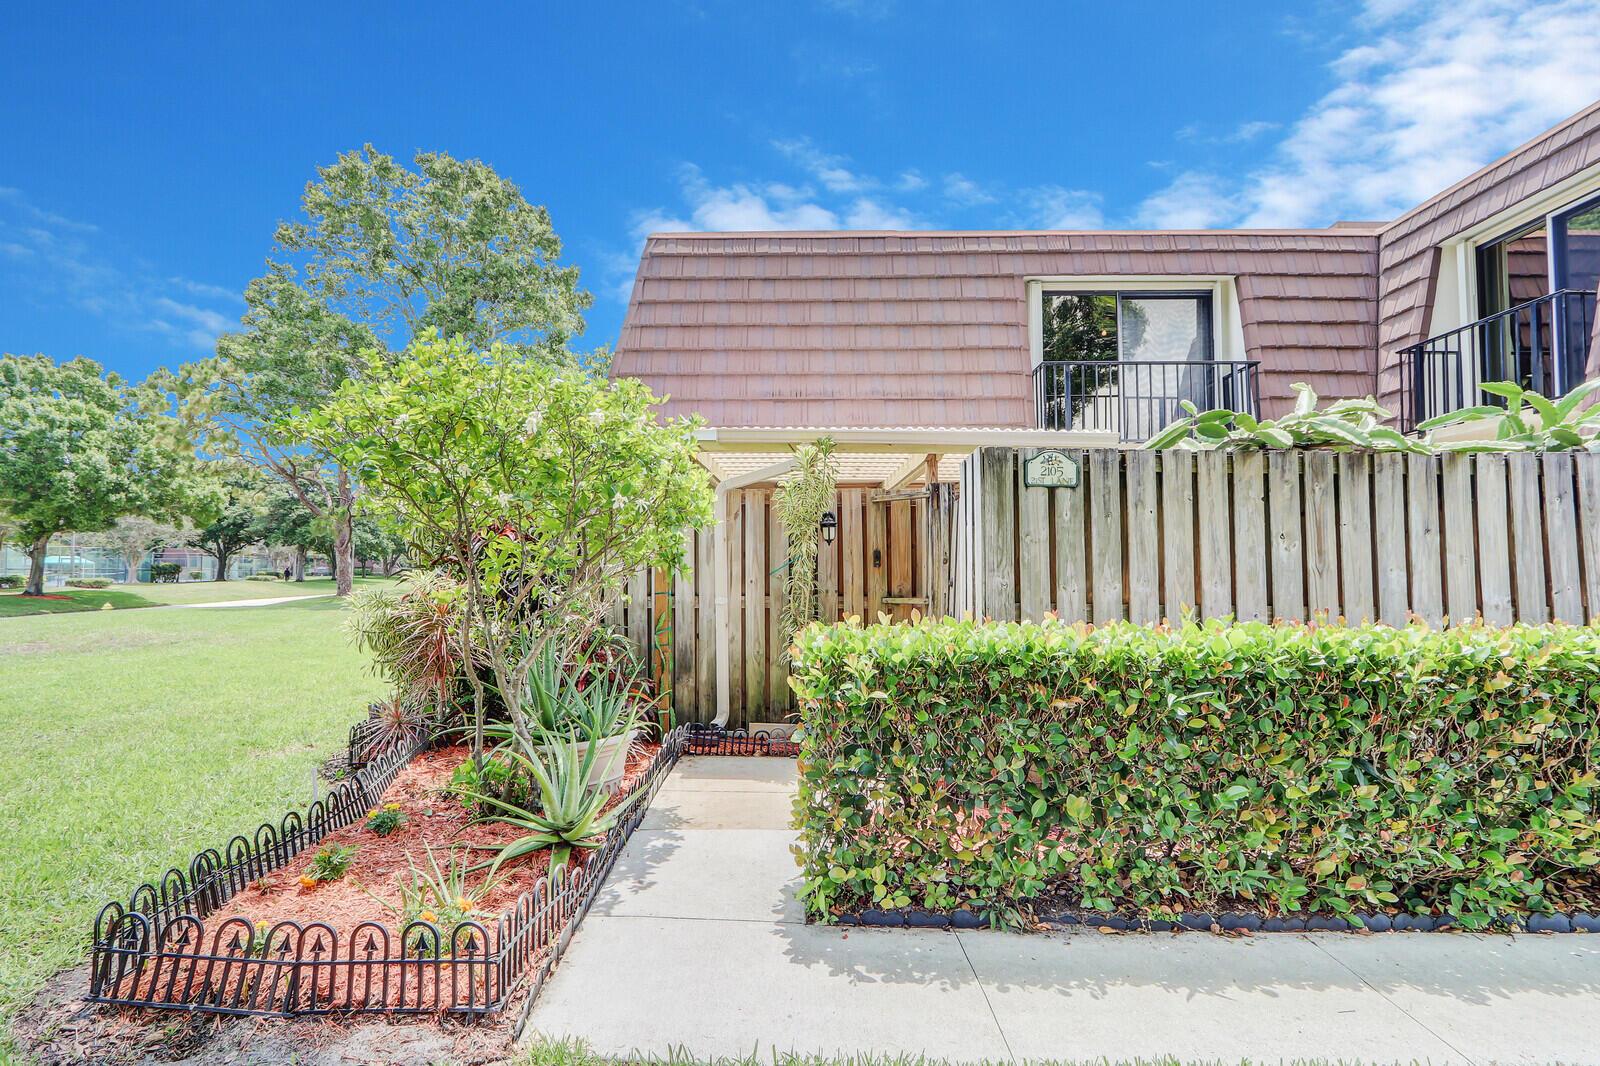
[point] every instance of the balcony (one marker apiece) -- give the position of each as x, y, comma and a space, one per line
1542, 345
1137, 399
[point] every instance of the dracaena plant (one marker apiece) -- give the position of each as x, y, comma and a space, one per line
1342, 424
1528, 422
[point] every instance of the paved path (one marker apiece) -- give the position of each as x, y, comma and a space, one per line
266, 602
697, 943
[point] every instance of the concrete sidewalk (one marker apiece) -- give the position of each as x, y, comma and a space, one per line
697, 944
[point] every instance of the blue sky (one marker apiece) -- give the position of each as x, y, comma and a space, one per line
146, 151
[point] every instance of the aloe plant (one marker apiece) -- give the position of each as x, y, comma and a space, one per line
1562, 424
570, 814
563, 698
1342, 424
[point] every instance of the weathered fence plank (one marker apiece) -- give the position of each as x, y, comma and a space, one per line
777, 598
1422, 526
1177, 534
999, 528
852, 554
1588, 465
1494, 539
1144, 539
1389, 533
1285, 536
1072, 559
1527, 538
1033, 549
1105, 533
753, 505
828, 571
1561, 538
1216, 540
1322, 532
877, 550
1358, 601
684, 693
1249, 535
1460, 539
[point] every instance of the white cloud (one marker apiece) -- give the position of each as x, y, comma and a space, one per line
1443, 88
911, 181
69, 263
1056, 207
866, 213
826, 168
1193, 200
960, 189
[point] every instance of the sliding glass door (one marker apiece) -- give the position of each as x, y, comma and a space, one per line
1124, 361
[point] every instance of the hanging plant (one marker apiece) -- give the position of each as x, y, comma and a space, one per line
801, 502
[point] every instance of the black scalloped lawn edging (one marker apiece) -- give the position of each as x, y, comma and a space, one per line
1234, 921
154, 952
703, 739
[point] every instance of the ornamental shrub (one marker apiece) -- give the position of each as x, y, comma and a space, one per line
89, 582
11, 581
1146, 771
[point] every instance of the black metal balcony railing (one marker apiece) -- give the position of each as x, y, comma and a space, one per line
1139, 399
1542, 345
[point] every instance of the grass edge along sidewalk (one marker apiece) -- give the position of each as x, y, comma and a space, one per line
126, 597
544, 1051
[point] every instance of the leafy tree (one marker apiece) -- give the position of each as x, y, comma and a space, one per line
286, 522
236, 525
541, 488
133, 535
383, 253
80, 448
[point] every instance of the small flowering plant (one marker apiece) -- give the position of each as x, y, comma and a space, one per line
386, 819
329, 864
441, 894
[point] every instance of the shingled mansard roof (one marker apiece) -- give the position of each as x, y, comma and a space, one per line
930, 328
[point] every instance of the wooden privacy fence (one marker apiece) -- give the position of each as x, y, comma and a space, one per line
1282, 534
889, 555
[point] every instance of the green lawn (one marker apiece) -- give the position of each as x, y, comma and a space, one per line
135, 738
13, 604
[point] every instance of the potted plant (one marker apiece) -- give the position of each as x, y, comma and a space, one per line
588, 707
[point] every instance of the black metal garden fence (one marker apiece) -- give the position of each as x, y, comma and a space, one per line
155, 951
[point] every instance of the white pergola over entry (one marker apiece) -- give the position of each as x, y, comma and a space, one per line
888, 458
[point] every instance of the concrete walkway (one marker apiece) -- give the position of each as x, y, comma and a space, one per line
697, 944
268, 601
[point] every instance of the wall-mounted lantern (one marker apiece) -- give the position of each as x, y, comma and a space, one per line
829, 524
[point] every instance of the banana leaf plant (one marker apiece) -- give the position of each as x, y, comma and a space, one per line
1555, 425
1342, 424
569, 813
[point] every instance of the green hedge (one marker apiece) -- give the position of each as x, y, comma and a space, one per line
1150, 771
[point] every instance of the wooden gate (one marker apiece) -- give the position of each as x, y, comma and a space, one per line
890, 555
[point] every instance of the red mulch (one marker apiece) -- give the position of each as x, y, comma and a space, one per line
436, 820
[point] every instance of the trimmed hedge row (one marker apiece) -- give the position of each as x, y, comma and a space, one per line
1151, 771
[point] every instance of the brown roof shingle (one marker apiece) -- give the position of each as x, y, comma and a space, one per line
872, 329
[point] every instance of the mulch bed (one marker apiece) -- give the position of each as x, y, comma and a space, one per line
436, 821
60, 1027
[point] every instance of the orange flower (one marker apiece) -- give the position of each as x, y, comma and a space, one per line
307, 881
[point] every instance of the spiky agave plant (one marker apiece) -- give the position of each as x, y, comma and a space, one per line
570, 814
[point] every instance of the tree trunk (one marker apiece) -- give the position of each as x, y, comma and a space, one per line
133, 559
36, 552
299, 564
222, 565
344, 552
